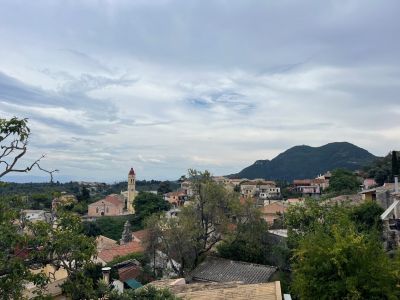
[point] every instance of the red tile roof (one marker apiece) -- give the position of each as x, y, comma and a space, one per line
132, 172
115, 199
129, 272
112, 199
140, 235
273, 208
108, 255
302, 182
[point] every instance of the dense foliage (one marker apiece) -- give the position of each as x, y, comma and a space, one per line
110, 227
248, 240
147, 204
338, 253
27, 246
383, 169
198, 227
343, 182
144, 293
307, 162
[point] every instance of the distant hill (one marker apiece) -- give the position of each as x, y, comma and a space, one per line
307, 162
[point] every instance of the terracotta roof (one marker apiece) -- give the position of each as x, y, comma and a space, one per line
104, 242
140, 235
113, 199
221, 291
302, 181
178, 193
132, 172
318, 180
273, 208
217, 269
129, 272
108, 255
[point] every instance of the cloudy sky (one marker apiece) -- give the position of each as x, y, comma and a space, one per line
164, 86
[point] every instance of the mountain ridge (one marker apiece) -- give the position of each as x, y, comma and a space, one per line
303, 161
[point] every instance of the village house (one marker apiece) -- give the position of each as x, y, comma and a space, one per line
369, 183
273, 211
63, 200
312, 187
34, 215
109, 249
388, 197
186, 187
176, 199
260, 189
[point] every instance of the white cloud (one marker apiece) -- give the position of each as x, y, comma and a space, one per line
168, 86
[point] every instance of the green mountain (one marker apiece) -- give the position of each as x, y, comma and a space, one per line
304, 161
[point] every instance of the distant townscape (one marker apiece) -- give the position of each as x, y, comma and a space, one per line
204, 236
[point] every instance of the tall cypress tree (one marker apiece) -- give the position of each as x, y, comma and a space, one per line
395, 164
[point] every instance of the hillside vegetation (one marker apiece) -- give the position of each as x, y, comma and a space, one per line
307, 162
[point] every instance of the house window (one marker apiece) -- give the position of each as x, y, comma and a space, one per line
97, 210
107, 209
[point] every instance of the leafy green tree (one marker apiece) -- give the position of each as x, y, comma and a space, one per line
15, 260
147, 204
165, 187
343, 181
339, 263
383, 169
198, 227
395, 164
248, 240
337, 252
112, 227
367, 216
145, 293
91, 229
86, 284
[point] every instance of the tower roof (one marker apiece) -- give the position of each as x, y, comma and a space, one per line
131, 172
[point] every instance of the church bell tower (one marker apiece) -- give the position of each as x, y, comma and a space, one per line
131, 191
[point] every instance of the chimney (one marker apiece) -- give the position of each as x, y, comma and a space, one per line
396, 184
106, 274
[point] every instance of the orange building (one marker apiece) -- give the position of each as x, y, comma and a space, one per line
112, 205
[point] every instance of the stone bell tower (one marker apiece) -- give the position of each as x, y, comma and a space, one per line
131, 191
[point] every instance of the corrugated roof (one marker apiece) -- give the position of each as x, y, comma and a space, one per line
216, 269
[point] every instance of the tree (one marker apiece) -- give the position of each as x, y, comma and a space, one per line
248, 239
86, 284
395, 164
147, 204
337, 253
14, 136
15, 260
340, 263
367, 216
198, 227
165, 187
145, 293
27, 246
91, 229
343, 181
